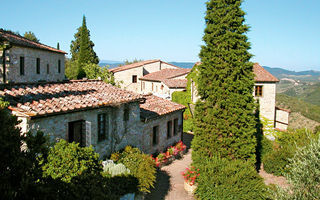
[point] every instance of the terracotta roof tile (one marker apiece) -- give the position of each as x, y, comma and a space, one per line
156, 106
46, 98
22, 41
262, 75
133, 65
176, 83
165, 74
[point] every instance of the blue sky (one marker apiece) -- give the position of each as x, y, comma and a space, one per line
284, 33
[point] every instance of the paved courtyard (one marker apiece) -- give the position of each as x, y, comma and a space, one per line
170, 183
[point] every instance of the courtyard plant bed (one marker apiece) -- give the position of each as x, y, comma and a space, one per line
172, 153
190, 176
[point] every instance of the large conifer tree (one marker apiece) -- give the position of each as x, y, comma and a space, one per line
82, 49
225, 121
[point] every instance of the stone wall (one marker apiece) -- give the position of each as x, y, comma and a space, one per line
164, 142
282, 119
30, 58
121, 133
267, 100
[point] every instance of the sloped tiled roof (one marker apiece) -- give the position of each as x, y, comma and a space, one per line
47, 98
156, 106
176, 83
18, 40
262, 75
133, 65
165, 74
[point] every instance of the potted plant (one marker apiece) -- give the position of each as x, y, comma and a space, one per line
190, 176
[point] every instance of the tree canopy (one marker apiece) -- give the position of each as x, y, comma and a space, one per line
224, 116
31, 36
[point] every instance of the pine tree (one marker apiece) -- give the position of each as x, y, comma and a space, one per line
75, 44
58, 46
225, 121
82, 49
31, 36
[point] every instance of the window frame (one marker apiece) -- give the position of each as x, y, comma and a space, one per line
22, 66
155, 136
169, 129
258, 90
103, 125
175, 126
134, 78
38, 65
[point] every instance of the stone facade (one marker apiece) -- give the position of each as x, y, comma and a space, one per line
163, 141
281, 119
126, 76
49, 62
119, 131
268, 100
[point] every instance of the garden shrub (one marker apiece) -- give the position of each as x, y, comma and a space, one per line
184, 98
286, 143
66, 160
223, 179
141, 166
113, 169
304, 176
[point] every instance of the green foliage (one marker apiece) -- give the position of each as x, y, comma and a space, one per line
304, 175
67, 160
82, 50
276, 161
71, 69
19, 167
225, 123
116, 169
141, 166
184, 98
31, 36
223, 179
127, 62
94, 71
317, 130
308, 110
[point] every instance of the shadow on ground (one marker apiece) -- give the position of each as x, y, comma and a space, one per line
162, 186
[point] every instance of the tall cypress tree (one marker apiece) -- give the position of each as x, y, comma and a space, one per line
225, 121
82, 48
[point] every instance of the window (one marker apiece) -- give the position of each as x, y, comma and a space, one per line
126, 113
48, 70
38, 65
59, 66
155, 135
143, 86
175, 127
169, 129
102, 126
258, 91
21, 65
152, 86
134, 78
76, 132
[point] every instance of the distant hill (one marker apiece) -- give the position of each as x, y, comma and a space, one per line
309, 75
113, 64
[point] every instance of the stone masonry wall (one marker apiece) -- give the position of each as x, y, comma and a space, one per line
267, 100
30, 58
121, 133
164, 142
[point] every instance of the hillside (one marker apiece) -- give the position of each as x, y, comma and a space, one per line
307, 110
308, 75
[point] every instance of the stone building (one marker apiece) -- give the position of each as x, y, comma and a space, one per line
92, 112
29, 61
162, 122
164, 82
265, 92
129, 75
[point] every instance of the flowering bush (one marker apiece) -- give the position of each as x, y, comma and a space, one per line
180, 146
190, 175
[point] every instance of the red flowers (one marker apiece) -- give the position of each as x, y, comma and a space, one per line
190, 175
172, 151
